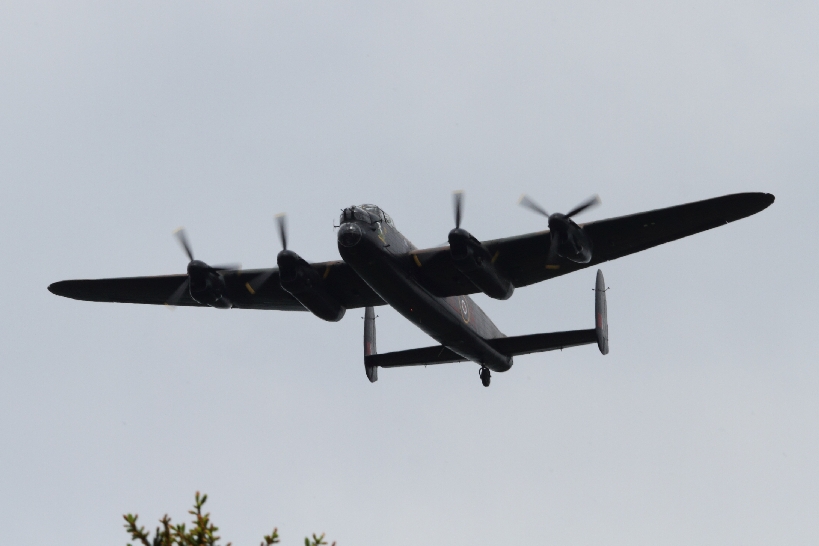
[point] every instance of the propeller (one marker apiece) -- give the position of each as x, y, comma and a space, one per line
529, 203
557, 220
258, 281
182, 237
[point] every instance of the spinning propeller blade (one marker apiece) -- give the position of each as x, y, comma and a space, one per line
592, 201
458, 204
183, 240
258, 281
529, 203
178, 293
551, 257
226, 267
281, 220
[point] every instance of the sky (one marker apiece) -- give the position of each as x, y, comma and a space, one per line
121, 121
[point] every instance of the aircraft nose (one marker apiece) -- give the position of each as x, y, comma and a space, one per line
349, 234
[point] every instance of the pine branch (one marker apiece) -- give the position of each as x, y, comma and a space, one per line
201, 533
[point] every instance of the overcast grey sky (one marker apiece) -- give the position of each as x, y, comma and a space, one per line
120, 121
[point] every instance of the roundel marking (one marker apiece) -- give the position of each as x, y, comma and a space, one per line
464, 308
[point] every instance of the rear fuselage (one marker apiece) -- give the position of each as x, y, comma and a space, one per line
382, 257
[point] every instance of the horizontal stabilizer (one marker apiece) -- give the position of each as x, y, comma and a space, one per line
537, 343
414, 357
510, 346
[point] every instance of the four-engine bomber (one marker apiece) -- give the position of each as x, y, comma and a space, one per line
429, 287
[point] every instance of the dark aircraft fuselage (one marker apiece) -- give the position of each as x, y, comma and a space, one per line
383, 258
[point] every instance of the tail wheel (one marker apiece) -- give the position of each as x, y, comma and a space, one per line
486, 376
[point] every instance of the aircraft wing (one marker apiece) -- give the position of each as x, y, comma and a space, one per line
341, 281
523, 259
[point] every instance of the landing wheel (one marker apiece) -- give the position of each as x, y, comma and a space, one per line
485, 376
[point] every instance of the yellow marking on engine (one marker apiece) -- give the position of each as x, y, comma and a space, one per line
552, 266
326, 272
495, 257
249, 288
417, 261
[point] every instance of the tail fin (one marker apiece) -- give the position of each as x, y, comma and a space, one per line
601, 324
369, 344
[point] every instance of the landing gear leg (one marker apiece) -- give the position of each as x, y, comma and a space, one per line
485, 376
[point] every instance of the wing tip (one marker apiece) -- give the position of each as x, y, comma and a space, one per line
747, 204
57, 288
67, 289
763, 201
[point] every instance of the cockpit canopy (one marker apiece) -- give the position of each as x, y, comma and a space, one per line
365, 213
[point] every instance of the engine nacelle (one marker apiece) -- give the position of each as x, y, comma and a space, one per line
301, 281
571, 241
474, 261
207, 286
